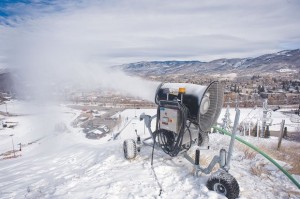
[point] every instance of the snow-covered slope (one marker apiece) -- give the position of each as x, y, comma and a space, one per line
67, 165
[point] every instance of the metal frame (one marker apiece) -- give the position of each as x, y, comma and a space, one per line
221, 159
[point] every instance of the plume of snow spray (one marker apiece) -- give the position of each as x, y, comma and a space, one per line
48, 53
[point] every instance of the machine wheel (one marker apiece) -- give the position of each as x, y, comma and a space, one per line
225, 184
203, 139
129, 147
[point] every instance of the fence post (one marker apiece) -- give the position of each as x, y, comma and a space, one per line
267, 133
249, 128
281, 134
285, 132
257, 129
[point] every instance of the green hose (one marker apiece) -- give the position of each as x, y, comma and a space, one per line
262, 153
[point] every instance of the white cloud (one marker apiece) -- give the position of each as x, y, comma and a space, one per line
66, 39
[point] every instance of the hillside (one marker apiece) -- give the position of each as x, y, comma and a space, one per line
81, 168
284, 61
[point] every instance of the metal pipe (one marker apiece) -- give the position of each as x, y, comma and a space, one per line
13, 145
147, 121
222, 157
249, 128
236, 122
197, 157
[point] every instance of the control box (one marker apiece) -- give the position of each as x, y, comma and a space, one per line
169, 119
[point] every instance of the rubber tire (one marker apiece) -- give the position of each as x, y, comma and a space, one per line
130, 150
223, 180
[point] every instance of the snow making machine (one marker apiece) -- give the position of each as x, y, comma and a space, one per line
185, 115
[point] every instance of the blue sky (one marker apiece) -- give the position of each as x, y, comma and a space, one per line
11, 9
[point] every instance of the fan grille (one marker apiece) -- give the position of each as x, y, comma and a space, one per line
216, 95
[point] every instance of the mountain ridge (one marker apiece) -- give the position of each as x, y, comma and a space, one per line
288, 60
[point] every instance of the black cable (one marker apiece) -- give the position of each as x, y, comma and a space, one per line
169, 141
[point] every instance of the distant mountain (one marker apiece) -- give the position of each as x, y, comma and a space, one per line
287, 61
284, 61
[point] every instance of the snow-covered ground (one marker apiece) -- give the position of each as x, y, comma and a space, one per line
292, 121
67, 165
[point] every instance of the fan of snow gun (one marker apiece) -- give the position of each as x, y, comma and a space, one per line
185, 111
